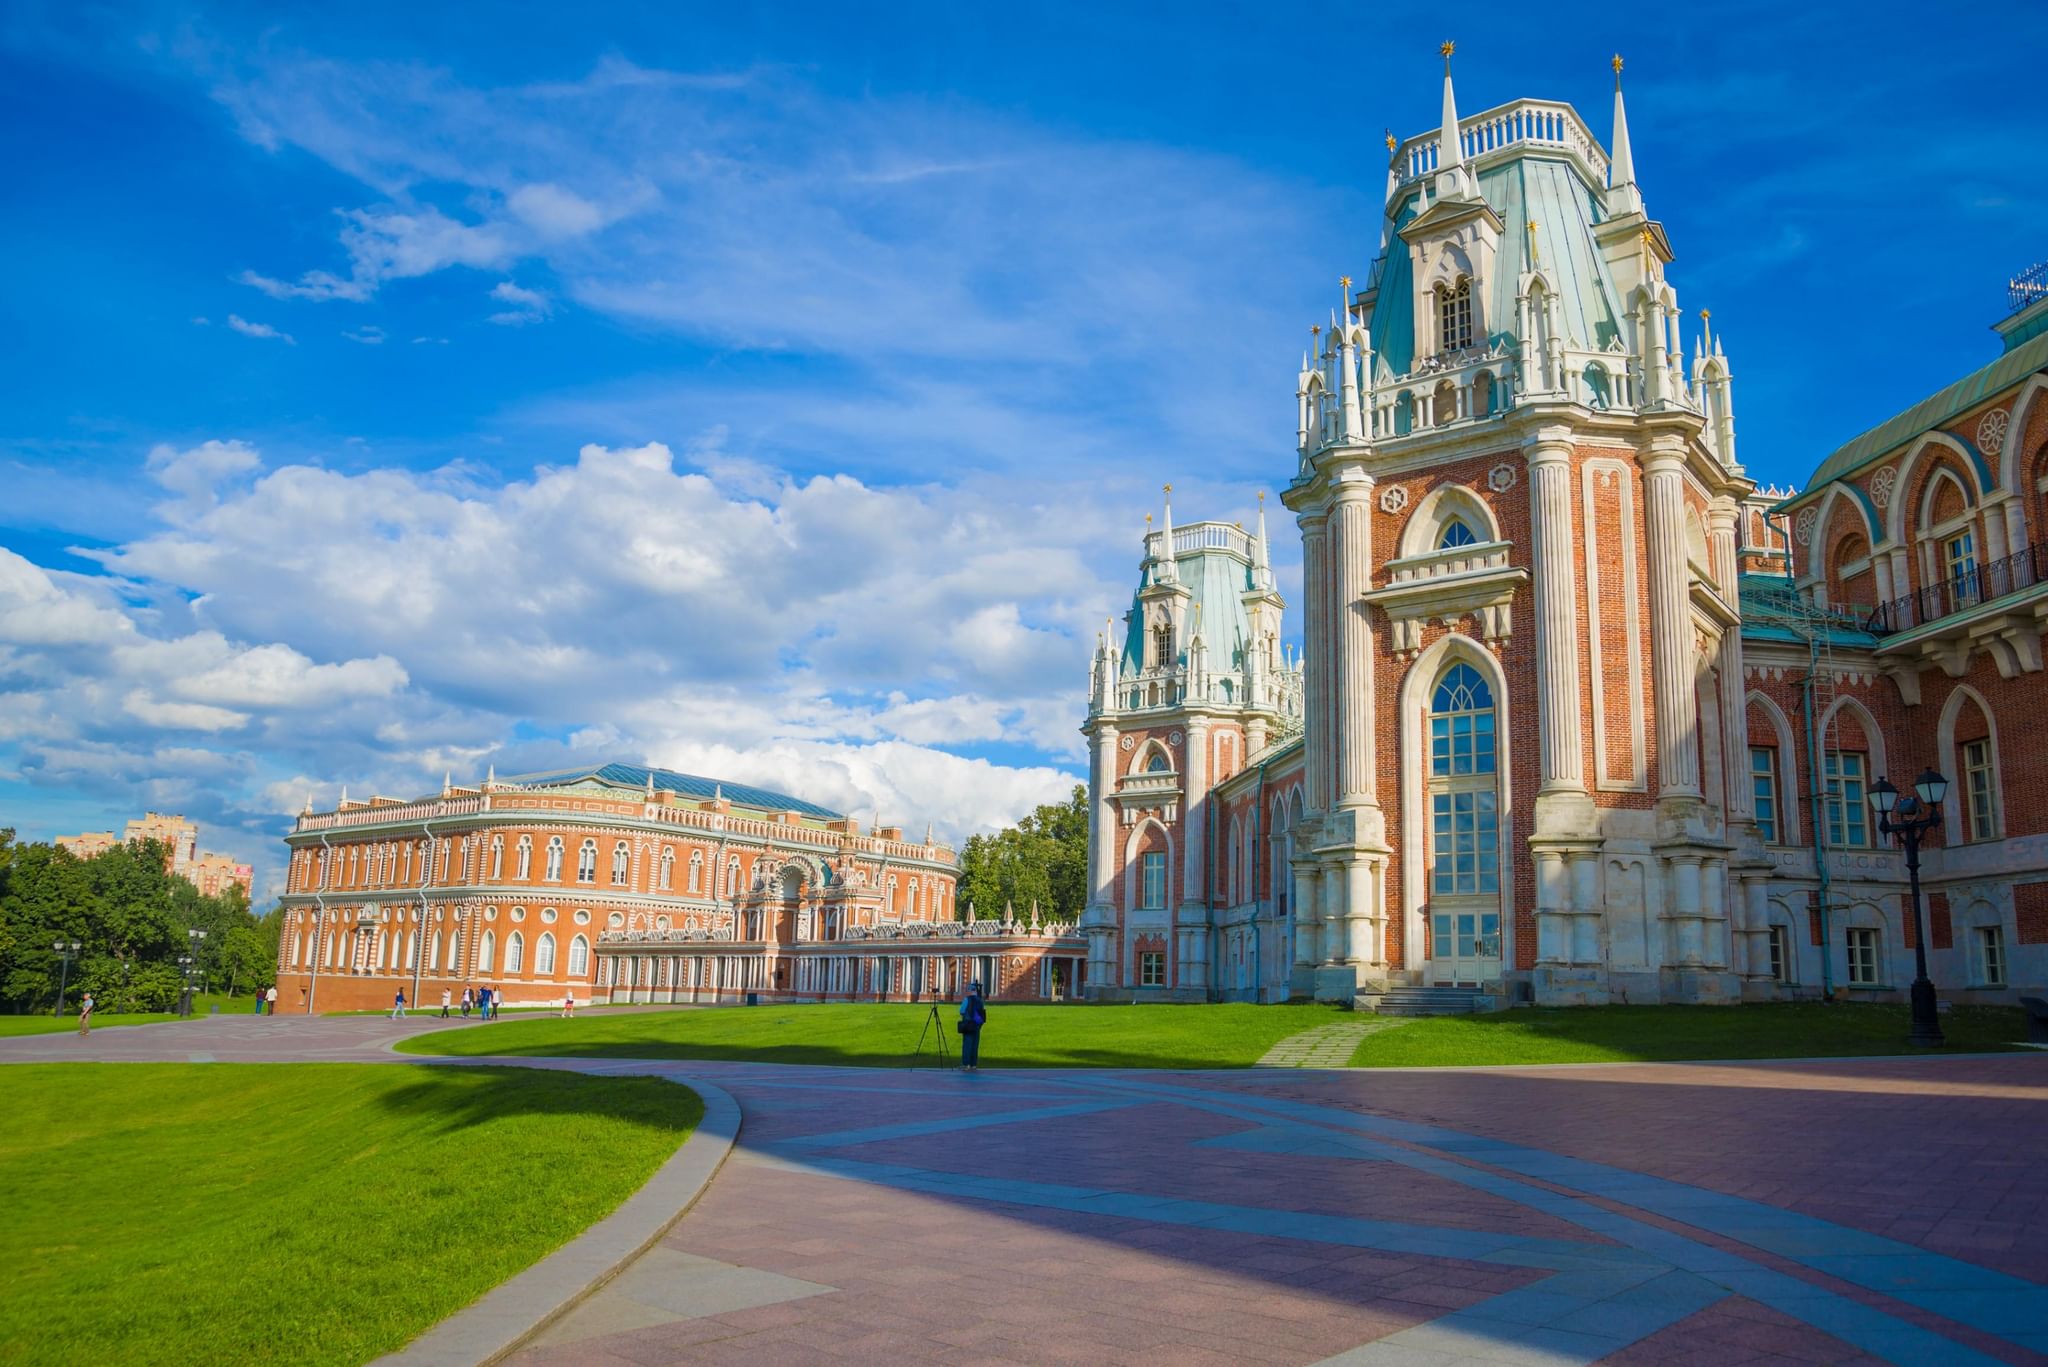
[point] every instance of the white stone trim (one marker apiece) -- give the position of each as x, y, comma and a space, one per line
1951, 760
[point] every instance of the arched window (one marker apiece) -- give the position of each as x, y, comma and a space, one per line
1159, 763
1464, 823
515, 953
554, 870
434, 952
1443, 403
1456, 533
732, 876
497, 857
487, 951
696, 871
619, 864
412, 949
1454, 315
586, 862
1483, 394
913, 897
525, 869
579, 957
1598, 394
668, 869
544, 953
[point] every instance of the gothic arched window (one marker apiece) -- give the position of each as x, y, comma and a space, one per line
554, 873
586, 862
1456, 533
1454, 314
1464, 824
525, 864
619, 864
497, 857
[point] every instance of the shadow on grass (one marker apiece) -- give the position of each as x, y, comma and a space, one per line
466, 1096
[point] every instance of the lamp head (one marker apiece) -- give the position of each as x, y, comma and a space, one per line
1932, 787
1883, 796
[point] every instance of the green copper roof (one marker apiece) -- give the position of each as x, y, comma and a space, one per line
1531, 187
1219, 581
689, 785
1931, 412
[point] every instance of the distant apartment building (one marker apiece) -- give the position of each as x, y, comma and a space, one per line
207, 871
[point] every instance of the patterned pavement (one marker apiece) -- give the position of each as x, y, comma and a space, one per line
1880, 1210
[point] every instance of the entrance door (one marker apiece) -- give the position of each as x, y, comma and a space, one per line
1465, 947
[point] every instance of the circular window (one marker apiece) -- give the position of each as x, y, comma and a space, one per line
547, 914
490, 913
615, 920
518, 913
661, 923
582, 917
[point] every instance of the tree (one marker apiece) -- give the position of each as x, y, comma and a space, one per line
1042, 859
245, 958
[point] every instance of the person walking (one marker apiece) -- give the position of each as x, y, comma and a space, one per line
569, 1004
85, 1014
444, 1003
270, 1000
467, 998
483, 1002
973, 1015
398, 1006
259, 1001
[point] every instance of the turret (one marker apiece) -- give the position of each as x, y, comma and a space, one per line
1622, 195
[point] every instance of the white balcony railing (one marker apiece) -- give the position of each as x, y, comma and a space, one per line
1543, 123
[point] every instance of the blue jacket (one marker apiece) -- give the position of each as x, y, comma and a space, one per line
973, 1011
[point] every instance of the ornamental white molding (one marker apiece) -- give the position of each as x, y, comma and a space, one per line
1501, 478
1394, 498
1881, 485
1127, 745
1802, 530
1447, 586
1991, 431
1175, 739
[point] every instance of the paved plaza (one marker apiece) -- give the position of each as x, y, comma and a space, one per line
1872, 1210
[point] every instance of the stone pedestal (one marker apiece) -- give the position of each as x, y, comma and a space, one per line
1336, 983
1701, 987
1556, 985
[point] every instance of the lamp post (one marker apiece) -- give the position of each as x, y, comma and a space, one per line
66, 952
1907, 817
190, 963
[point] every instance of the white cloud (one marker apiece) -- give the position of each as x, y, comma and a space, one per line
263, 330
367, 335
529, 306
181, 716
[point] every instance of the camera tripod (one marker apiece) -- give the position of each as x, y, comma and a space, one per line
935, 1028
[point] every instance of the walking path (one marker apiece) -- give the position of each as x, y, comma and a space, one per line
1885, 1209
1328, 1046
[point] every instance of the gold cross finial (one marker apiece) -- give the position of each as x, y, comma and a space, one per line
1447, 49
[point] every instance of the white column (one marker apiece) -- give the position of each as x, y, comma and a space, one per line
1586, 912
1733, 700
1557, 622
1102, 818
1678, 732
1553, 921
1335, 942
1195, 813
1307, 935
1314, 580
1349, 656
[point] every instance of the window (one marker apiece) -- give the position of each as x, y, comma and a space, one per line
619, 861
1959, 554
1162, 647
1159, 763
1464, 811
732, 875
1152, 969
1781, 954
1456, 533
1979, 799
434, 952
668, 870
515, 953
696, 871
1466, 831
579, 957
586, 862
525, 870
1862, 957
487, 951
497, 857
554, 872
1153, 896
1847, 811
544, 954
1461, 725
1763, 787
1988, 946
1454, 315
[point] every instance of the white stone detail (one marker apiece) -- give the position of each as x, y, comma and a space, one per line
1127, 745
1501, 478
1991, 431
1881, 485
1174, 739
1802, 530
1394, 498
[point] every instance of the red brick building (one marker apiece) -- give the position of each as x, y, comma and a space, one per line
1583, 715
623, 883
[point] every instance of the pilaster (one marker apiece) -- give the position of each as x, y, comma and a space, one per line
1671, 649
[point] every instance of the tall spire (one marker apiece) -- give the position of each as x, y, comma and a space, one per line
1168, 571
1449, 151
1259, 554
1623, 196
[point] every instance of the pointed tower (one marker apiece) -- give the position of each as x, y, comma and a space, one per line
1622, 195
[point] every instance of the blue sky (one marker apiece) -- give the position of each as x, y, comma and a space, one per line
777, 392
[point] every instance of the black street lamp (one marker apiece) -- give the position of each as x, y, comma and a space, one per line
190, 963
66, 952
1907, 817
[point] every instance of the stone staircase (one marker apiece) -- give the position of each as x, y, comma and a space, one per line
1428, 1001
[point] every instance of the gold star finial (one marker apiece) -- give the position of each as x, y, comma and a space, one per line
1706, 314
1447, 49
1316, 328
1345, 281
1391, 144
1617, 63
1169, 488
1262, 495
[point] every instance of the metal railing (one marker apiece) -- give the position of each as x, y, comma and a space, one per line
1995, 579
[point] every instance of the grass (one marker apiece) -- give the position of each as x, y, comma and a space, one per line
1619, 1034
296, 1213
43, 1023
885, 1035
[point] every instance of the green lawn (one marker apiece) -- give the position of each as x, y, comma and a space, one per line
1610, 1034
885, 1035
296, 1213
43, 1023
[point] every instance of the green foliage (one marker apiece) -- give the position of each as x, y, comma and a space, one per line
131, 917
321, 1214
1042, 859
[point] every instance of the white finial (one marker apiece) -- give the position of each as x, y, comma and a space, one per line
344, 798
718, 792
1450, 151
1621, 170
308, 811
447, 782
1259, 553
